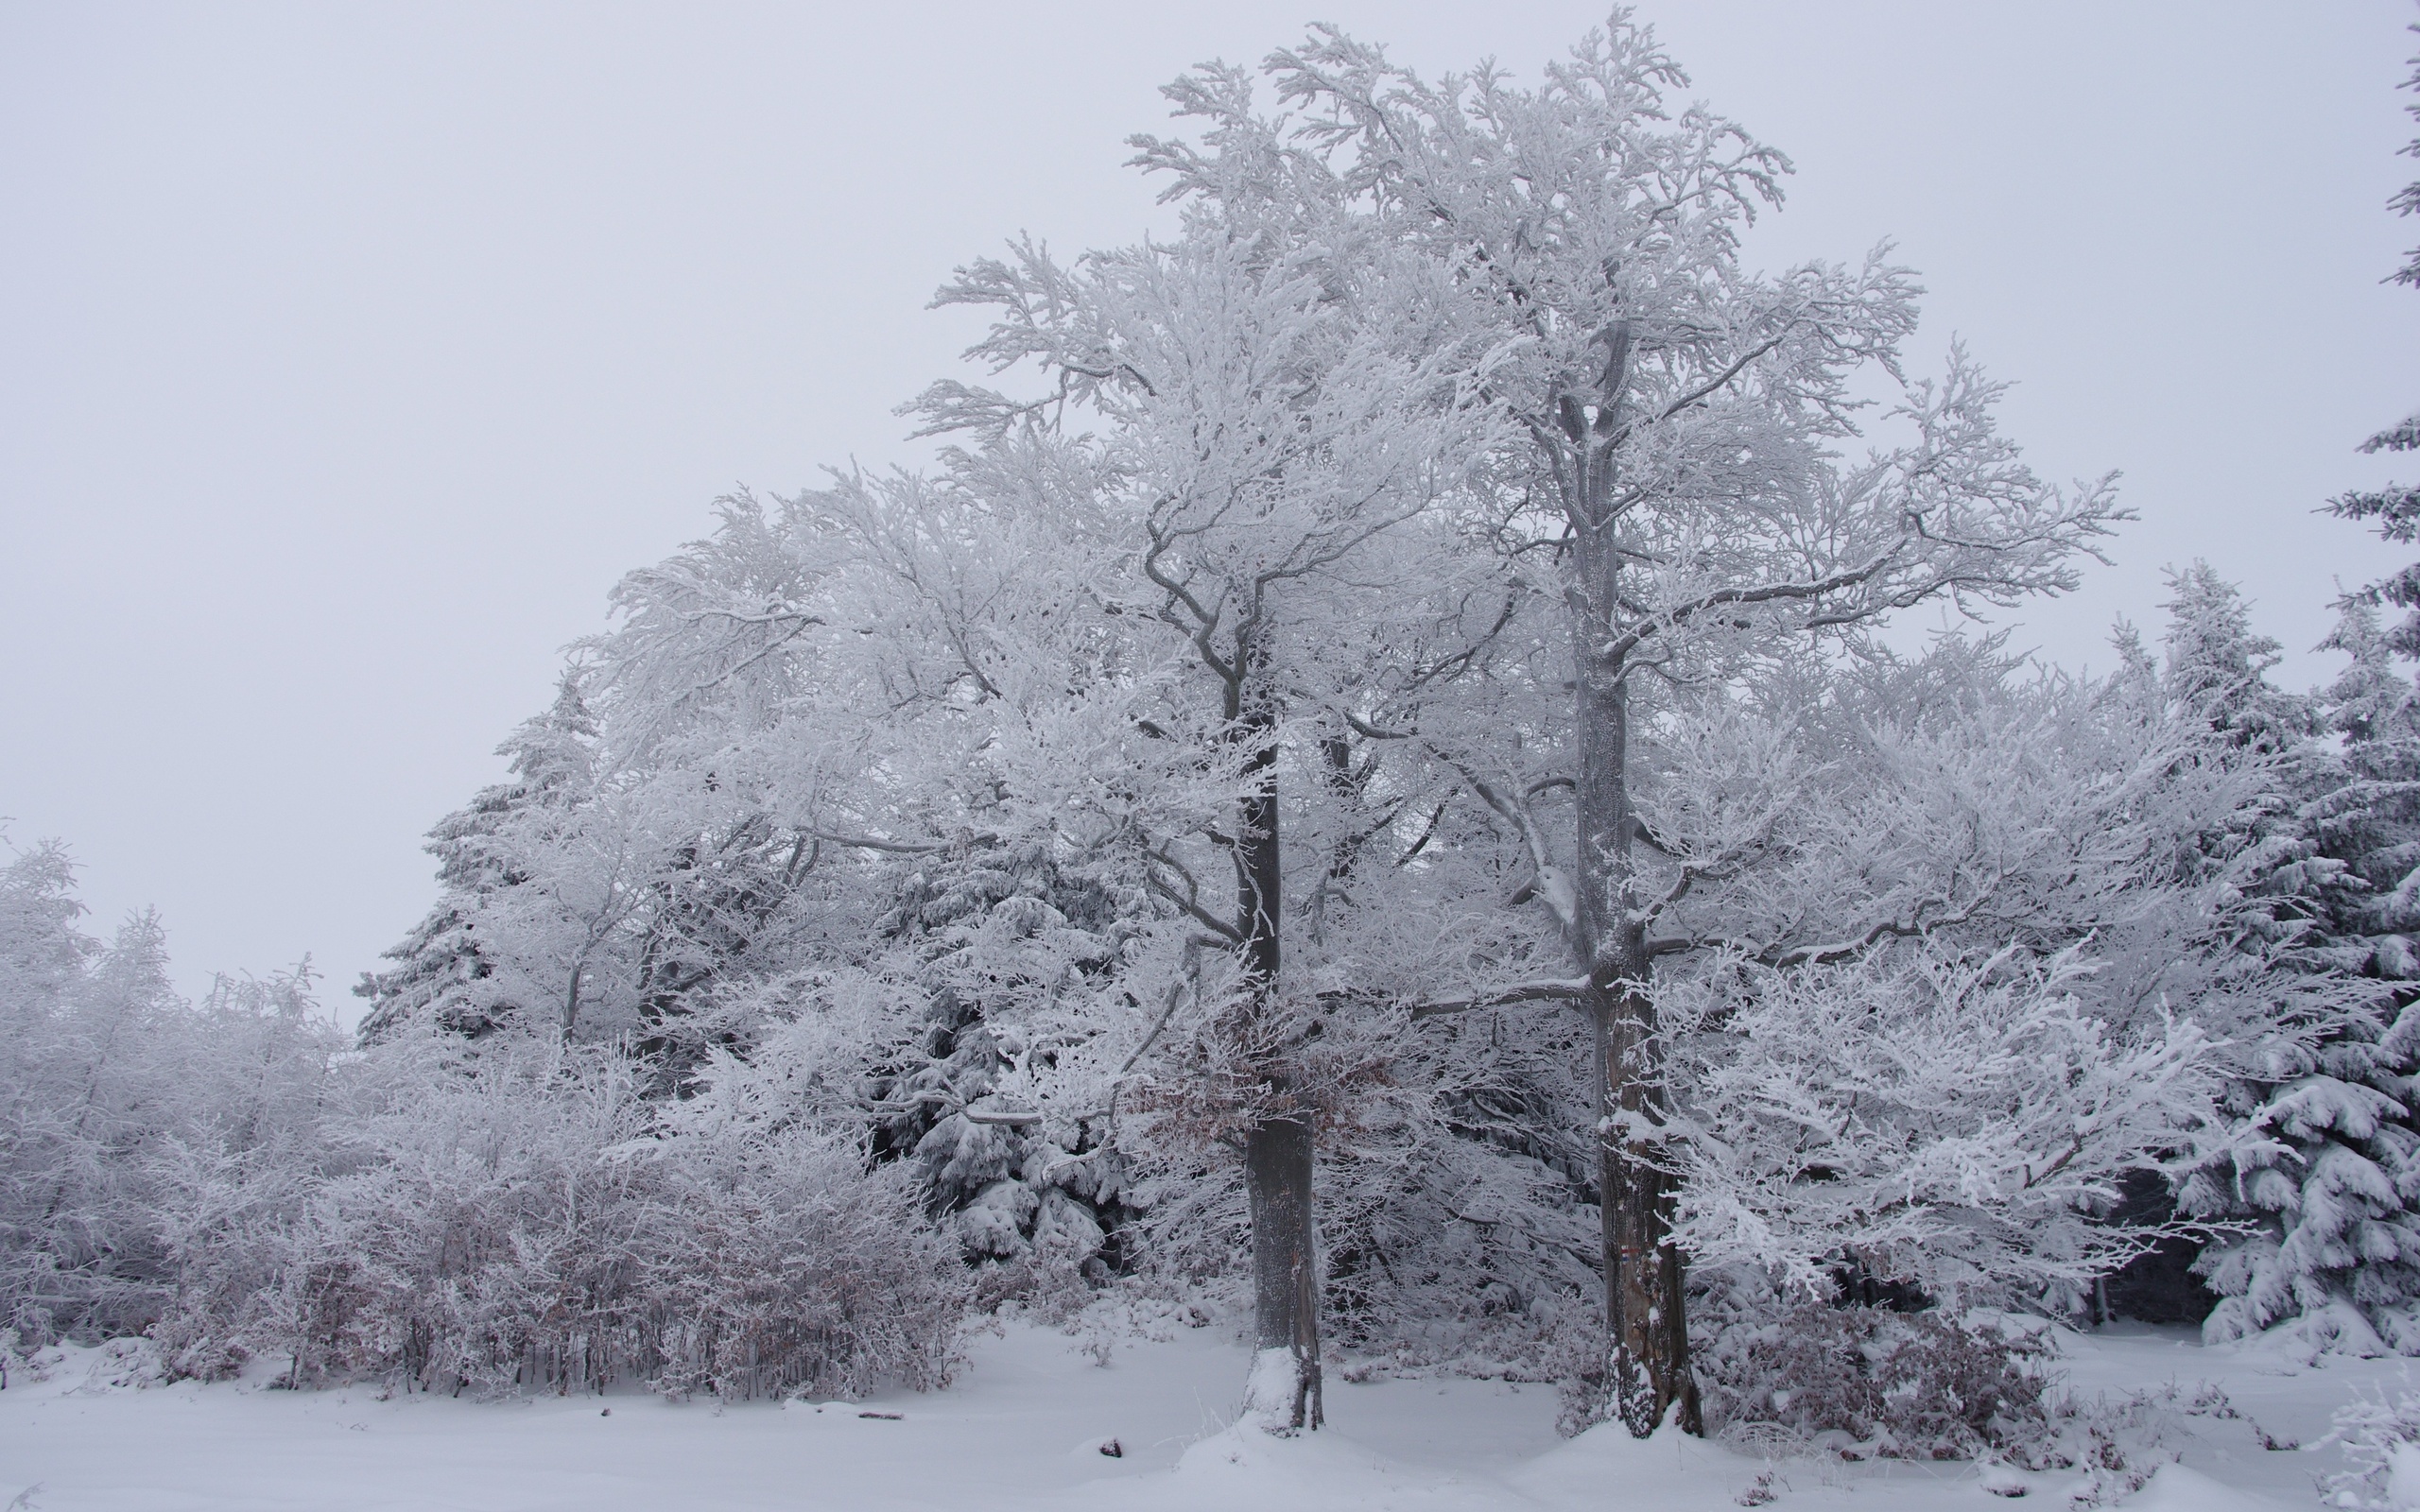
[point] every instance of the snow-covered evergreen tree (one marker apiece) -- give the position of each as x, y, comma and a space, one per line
2396, 509
2367, 813
2326, 1167
2218, 666
448, 968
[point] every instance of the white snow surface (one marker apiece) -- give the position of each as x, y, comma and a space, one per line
1025, 1427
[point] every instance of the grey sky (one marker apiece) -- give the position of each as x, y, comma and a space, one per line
348, 354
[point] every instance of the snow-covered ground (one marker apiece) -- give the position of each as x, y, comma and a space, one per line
1025, 1428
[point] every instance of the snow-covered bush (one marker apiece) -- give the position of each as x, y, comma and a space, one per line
522, 1219
1859, 1382
1863, 1383
1454, 1215
493, 1209
2382, 1443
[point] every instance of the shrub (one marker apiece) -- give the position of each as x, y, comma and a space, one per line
1865, 1382
523, 1219
2381, 1454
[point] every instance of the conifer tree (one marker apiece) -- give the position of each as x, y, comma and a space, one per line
2396, 509
2327, 1170
446, 969
2336, 1189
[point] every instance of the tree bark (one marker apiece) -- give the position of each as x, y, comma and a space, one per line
1646, 1322
1283, 1394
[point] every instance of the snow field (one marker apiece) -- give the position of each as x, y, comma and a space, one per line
1025, 1428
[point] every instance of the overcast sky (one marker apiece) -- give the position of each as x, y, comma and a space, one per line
348, 354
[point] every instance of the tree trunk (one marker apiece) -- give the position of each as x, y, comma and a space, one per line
1646, 1315
1283, 1394
1646, 1323
1646, 1326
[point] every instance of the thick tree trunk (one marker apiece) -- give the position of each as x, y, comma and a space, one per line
1647, 1320
1283, 1394
1646, 1326
1646, 1323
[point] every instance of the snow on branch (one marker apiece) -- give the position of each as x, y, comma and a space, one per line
1953, 1123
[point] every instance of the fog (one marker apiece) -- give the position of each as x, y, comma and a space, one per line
349, 354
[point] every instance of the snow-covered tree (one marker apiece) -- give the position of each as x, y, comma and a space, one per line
1945, 1123
2219, 665
1271, 456
2330, 1180
83, 1081
642, 854
1964, 811
2339, 1247
449, 968
1671, 459
112, 1086
2396, 509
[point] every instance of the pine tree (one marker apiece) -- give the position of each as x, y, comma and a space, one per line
708, 918
993, 939
2369, 818
446, 968
2396, 508
2329, 1170
2336, 1185
2218, 666
41, 949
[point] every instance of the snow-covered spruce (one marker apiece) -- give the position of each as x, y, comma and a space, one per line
2329, 1172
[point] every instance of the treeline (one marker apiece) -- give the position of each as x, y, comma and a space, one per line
1371, 783
233, 1180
